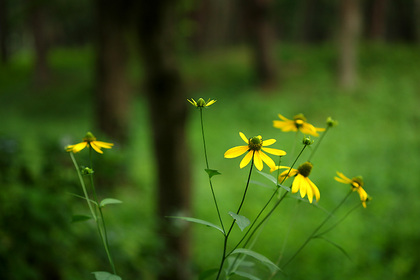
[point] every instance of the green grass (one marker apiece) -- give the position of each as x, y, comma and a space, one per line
376, 138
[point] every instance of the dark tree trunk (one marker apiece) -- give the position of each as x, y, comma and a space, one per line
112, 94
262, 39
350, 25
4, 31
378, 20
167, 108
39, 27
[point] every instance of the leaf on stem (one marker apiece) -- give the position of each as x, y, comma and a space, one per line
107, 201
198, 221
103, 275
240, 220
262, 185
212, 172
264, 260
80, 218
273, 180
82, 197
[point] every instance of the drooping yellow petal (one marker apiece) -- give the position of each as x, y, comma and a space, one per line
258, 161
275, 152
314, 190
78, 147
267, 159
309, 190
96, 148
303, 185
269, 142
343, 179
246, 159
285, 126
244, 138
103, 144
236, 151
296, 184
362, 193
307, 128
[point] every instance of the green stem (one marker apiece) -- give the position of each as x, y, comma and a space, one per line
316, 230
101, 227
319, 142
224, 256
82, 183
207, 165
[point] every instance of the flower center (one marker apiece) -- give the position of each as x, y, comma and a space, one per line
89, 137
305, 169
201, 102
255, 143
357, 182
299, 120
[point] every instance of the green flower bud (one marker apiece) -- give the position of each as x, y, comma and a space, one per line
307, 141
86, 171
201, 102
331, 122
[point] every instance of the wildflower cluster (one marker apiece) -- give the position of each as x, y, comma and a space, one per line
257, 152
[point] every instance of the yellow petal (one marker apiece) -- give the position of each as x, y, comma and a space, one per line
296, 184
314, 190
309, 190
343, 179
283, 118
78, 147
362, 193
269, 142
275, 152
192, 101
210, 102
307, 128
303, 185
244, 138
246, 159
103, 144
96, 148
236, 151
267, 159
258, 161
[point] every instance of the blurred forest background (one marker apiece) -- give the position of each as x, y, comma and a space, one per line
123, 70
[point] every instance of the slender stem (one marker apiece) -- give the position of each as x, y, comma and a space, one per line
101, 227
317, 229
207, 165
82, 183
233, 222
317, 144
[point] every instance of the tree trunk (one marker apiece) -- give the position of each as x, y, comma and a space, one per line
262, 40
350, 26
167, 109
38, 26
112, 97
378, 20
4, 31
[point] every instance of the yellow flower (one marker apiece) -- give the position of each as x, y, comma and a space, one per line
301, 182
201, 103
89, 140
255, 147
298, 123
356, 184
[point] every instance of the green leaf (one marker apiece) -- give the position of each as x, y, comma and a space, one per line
240, 220
206, 274
273, 180
103, 275
262, 185
80, 218
107, 201
198, 221
212, 172
335, 245
246, 275
264, 260
82, 197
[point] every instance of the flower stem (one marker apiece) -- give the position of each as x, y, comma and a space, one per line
316, 230
101, 227
224, 256
207, 165
317, 144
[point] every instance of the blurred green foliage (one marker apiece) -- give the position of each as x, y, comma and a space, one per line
376, 138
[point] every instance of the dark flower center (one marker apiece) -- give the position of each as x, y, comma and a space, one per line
255, 143
305, 169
